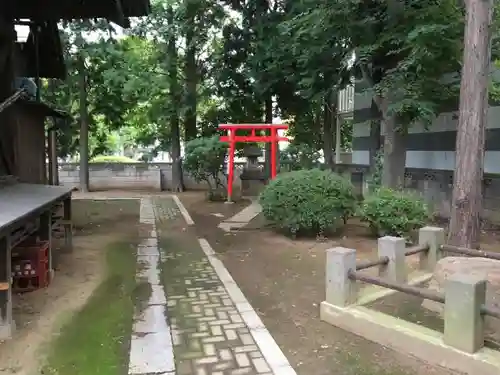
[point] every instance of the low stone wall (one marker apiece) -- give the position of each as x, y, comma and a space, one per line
436, 188
434, 185
134, 176
114, 176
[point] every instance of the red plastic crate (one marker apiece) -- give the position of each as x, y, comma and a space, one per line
30, 267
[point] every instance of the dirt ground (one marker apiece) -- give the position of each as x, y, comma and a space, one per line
39, 314
284, 280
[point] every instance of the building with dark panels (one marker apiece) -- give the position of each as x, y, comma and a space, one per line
29, 208
430, 153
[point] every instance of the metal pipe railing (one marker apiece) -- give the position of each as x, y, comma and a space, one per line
404, 288
362, 265
382, 261
470, 252
12, 99
415, 291
417, 249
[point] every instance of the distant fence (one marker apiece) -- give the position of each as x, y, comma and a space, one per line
133, 176
434, 185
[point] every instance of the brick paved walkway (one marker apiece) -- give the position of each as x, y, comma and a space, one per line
214, 329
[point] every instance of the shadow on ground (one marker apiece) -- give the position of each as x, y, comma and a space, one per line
284, 281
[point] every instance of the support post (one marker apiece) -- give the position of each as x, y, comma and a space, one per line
340, 289
273, 153
51, 161
463, 321
434, 238
338, 136
231, 166
6, 322
393, 248
53, 157
45, 234
67, 224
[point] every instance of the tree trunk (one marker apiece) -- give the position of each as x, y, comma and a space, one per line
466, 206
375, 138
84, 126
191, 75
393, 170
268, 119
175, 101
328, 133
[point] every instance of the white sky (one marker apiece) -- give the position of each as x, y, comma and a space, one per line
22, 32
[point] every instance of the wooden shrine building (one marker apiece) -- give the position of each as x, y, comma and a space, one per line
29, 206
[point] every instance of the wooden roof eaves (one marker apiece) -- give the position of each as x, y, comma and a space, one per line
117, 11
51, 59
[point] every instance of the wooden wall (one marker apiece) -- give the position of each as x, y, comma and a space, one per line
30, 157
6, 79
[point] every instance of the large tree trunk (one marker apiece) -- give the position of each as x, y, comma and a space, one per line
175, 100
328, 116
84, 126
393, 170
268, 119
191, 74
375, 138
467, 187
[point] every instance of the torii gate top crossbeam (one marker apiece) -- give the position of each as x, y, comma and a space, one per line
232, 139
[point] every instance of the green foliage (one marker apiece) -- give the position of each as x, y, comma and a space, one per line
410, 54
204, 161
308, 201
105, 103
299, 156
193, 64
394, 213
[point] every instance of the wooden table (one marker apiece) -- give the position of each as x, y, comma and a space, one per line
26, 210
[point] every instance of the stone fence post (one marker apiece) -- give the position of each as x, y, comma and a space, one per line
463, 321
393, 248
434, 238
340, 289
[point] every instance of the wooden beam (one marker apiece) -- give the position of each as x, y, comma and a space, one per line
120, 18
76, 9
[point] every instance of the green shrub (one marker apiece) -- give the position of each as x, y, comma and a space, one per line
112, 159
308, 201
204, 161
299, 156
394, 213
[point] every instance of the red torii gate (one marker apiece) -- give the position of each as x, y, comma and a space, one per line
232, 139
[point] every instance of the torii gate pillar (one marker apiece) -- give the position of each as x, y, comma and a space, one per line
232, 139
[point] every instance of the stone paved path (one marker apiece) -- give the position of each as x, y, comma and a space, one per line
151, 342
214, 329
242, 218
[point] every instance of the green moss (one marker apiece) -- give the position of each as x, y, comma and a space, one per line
96, 340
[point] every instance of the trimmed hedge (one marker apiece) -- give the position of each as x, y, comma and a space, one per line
308, 201
394, 213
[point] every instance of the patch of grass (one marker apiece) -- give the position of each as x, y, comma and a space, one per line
96, 340
112, 159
